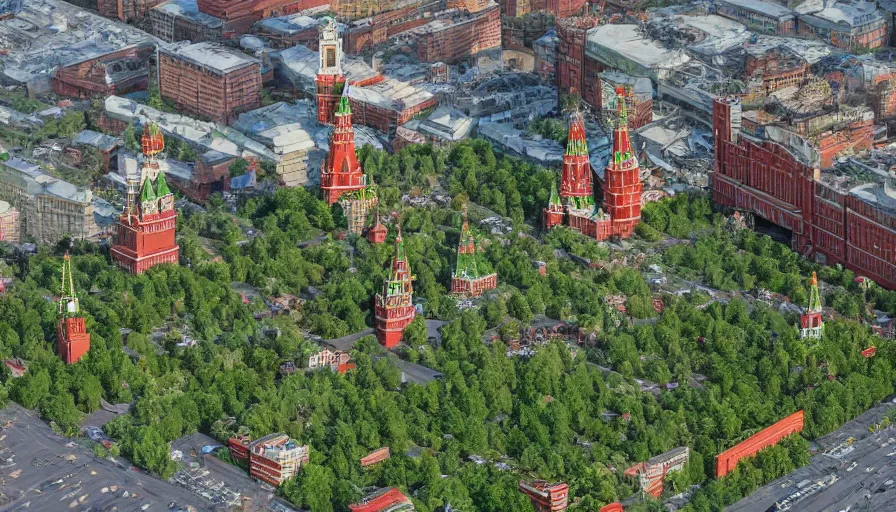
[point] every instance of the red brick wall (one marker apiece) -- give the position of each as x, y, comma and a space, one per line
727, 460
481, 32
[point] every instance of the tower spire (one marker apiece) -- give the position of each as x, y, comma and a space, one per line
68, 299
72, 338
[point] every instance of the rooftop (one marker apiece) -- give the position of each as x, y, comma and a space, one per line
48, 34
288, 25
852, 14
447, 123
770, 9
282, 126
624, 47
713, 34
96, 139
390, 94
37, 182
812, 51
208, 55
299, 63
189, 10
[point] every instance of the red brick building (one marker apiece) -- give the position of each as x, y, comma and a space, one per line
546, 497
240, 15
855, 227
393, 306
462, 35
210, 80
146, 229
116, 73
126, 10
388, 104
558, 8
276, 458
570, 68
72, 338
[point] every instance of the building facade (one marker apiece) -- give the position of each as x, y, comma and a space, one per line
10, 224
119, 72
570, 71
276, 458
575, 207
49, 208
545, 496
209, 80
834, 225
769, 436
387, 499
393, 305
760, 15
72, 338
652, 474
125, 10
460, 36
146, 229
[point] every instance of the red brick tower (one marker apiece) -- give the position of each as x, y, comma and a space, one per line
146, 228
811, 322
341, 178
576, 191
622, 184
545, 496
330, 80
72, 338
394, 308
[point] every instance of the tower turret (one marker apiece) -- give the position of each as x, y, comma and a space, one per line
576, 189
468, 279
393, 306
342, 178
146, 229
622, 187
811, 322
72, 338
330, 79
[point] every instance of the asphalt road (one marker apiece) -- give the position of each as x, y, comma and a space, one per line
865, 472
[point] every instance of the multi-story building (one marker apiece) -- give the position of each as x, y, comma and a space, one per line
210, 80
459, 35
545, 496
119, 72
125, 10
9, 223
835, 220
239, 15
545, 48
72, 338
760, 15
847, 25
50, 208
393, 305
276, 458
570, 66
341, 179
388, 104
239, 448
146, 229
181, 20
468, 280
387, 499
575, 206
327, 358
652, 474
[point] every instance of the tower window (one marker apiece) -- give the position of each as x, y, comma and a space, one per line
330, 56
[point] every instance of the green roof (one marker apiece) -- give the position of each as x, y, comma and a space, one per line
343, 108
147, 194
555, 197
162, 186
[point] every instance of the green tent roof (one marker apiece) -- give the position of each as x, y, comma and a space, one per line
147, 194
162, 186
343, 108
